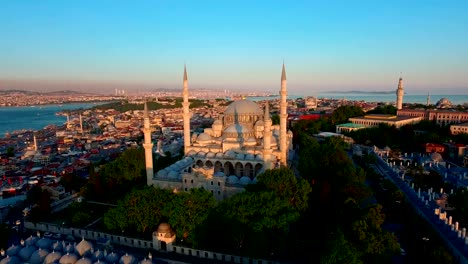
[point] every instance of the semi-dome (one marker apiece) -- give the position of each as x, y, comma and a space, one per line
243, 107
204, 137
237, 131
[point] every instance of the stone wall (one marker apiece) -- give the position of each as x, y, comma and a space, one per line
139, 243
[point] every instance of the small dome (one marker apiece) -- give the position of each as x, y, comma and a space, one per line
259, 123
10, 260
31, 241
52, 257
26, 252
249, 156
83, 247
57, 246
201, 154
164, 228
436, 157
219, 174
210, 155
84, 260
259, 157
44, 243
243, 107
191, 153
232, 179
204, 137
146, 261
13, 250
69, 248
230, 154
240, 156
245, 180
219, 155
127, 259
38, 256
112, 258
98, 255
68, 258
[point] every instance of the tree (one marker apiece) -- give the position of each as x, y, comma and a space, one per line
188, 210
10, 152
339, 250
286, 186
275, 120
459, 200
140, 210
343, 113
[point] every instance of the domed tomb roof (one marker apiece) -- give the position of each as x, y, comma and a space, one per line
243, 107
26, 252
13, 250
127, 259
436, 157
245, 180
84, 260
164, 228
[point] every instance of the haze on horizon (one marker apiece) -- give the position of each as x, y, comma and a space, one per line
326, 45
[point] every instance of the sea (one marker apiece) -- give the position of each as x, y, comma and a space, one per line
35, 117
376, 97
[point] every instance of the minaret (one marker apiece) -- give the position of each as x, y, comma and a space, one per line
283, 118
185, 106
35, 142
428, 100
267, 137
148, 146
399, 94
81, 124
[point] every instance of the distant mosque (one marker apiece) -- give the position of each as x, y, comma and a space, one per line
240, 144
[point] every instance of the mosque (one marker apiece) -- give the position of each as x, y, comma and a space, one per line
240, 144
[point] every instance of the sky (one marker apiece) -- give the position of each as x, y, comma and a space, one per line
325, 45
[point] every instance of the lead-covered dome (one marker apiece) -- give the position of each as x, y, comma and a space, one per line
243, 107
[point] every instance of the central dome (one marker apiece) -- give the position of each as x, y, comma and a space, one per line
243, 107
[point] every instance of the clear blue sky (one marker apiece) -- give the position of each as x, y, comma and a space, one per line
326, 45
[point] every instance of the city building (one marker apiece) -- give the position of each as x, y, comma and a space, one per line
441, 117
373, 120
240, 144
348, 127
459, 129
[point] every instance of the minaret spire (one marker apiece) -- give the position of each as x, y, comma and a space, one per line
186, 114
399, 93
267, 137
283, 118
148, 146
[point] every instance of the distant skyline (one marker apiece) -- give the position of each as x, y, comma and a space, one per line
326, 45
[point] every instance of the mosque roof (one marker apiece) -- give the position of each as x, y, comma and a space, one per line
243, 107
